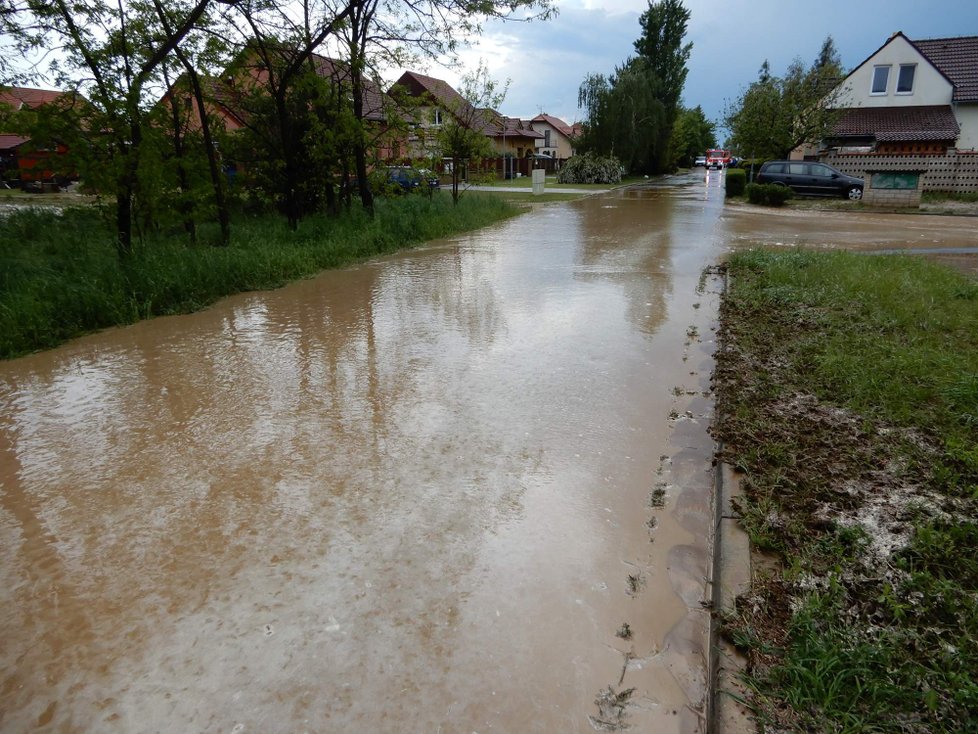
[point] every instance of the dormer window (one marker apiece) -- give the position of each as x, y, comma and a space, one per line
881, 76
905, 80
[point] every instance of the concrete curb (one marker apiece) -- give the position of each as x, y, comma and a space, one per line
730, 578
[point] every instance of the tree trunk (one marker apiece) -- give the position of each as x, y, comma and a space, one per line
213, 165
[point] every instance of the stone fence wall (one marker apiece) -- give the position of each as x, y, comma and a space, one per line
955, 172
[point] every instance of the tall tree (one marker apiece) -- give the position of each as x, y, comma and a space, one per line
120, 49
631, 114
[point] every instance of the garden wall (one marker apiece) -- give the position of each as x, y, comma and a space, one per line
954, 172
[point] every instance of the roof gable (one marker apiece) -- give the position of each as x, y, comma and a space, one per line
440, 92
896, 38
555, 122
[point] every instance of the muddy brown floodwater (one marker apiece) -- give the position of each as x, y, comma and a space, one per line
463, 489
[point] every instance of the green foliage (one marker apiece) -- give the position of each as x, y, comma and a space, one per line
631, 114
692, 135
777, 114
735, 181
60, 276
462, 137
768, 194
589, 169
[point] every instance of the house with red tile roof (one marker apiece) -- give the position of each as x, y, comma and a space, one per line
911, 97
558, 136
21, 159
436, 100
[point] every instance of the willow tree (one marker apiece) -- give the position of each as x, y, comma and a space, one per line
631, 113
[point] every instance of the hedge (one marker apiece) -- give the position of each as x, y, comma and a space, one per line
768, 194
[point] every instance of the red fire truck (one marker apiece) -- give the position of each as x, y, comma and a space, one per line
717, 158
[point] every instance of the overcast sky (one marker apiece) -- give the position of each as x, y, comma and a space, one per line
547, 61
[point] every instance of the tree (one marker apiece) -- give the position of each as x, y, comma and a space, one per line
120, 49
775, 115
631, 114
463, 136
691, 136
625, 118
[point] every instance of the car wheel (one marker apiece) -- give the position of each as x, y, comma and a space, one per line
855, 193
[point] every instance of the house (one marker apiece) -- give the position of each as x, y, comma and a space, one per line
22, 159
226, 97
911, 97
437, 100
514, 137
558, 136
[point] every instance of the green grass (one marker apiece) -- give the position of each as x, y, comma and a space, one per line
939, 197
60, 276
848, 396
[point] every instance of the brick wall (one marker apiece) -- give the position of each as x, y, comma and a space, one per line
956, 172
892, 197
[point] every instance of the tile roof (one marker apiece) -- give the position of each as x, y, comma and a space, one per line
26, 97
554, 122
957, 59
933, 122
441, 91
511, 127
8, 142
339, 71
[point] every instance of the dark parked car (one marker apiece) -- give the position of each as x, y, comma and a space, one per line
409, 179
814, 179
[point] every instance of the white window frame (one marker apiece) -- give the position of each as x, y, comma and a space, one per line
436, 116
886, 81
912, 80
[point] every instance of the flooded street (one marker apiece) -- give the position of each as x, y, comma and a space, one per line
462, 489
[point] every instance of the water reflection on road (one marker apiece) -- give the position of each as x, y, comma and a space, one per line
417, 495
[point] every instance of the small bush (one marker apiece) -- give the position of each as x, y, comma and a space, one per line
736, 181
768, 194
590, 169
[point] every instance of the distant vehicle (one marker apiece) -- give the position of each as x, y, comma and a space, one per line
813, 179
700, 161
717, 158
408, 178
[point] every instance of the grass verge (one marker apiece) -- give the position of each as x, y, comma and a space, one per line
847, 393
60, 276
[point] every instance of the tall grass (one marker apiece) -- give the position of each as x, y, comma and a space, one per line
60, 276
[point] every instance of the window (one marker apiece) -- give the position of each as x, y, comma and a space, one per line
436, 114
798, 169
820, 170
905, 80
546, 138
881, 76
775, 168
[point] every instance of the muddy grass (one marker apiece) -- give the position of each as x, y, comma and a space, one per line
847, 395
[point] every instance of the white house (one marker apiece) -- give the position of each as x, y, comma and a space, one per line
911, 97
557, 136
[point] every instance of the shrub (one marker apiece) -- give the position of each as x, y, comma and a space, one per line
768, 194
736, 181
590, 169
